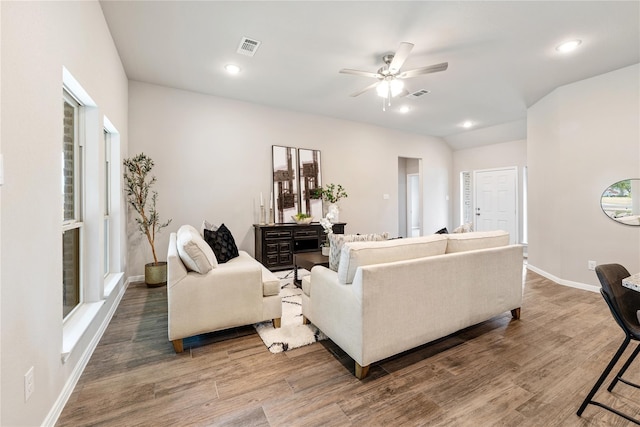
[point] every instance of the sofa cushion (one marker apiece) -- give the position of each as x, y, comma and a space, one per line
222, 243
476, 240
270, 283
306, 285
336, 241
194, 252
357, 254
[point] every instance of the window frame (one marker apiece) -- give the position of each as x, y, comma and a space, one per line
77, 222
106, 218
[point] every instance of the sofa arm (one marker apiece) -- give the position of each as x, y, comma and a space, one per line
336, 310
176, 270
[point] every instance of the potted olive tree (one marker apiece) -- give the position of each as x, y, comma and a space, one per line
140, 196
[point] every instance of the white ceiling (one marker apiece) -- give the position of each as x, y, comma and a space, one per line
501, 55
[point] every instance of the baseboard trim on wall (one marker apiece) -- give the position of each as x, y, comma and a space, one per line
65, 394
563, 282
134, 279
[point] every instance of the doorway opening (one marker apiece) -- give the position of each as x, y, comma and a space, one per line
410, 197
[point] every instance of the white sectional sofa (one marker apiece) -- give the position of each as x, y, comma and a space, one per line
209, 296
394, 295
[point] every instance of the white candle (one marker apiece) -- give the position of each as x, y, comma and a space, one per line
261, 203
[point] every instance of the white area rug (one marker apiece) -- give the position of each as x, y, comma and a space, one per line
292, 333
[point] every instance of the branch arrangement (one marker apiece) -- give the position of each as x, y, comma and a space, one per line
138, 185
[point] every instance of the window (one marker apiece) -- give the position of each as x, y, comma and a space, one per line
107, 202
91, 212
72, 225
110, 207
466, 208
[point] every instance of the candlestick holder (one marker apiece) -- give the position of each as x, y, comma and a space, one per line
262, 215
272, 220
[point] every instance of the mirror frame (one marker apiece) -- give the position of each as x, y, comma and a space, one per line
310, 176
285, 183
614, 207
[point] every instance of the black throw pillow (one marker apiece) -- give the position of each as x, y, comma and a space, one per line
442, 231
222, 243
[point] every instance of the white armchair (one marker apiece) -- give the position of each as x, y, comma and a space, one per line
236, 293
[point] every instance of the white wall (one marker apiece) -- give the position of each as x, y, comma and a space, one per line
581, 138
492, 156
213, 158
38, 39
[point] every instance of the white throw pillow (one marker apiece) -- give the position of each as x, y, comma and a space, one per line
206, 225
467, 227
194, 252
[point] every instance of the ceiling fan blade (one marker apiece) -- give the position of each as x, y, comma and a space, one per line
361, 91
400, 56
360, 73
424, 70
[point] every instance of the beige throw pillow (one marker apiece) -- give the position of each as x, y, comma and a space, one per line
194, 252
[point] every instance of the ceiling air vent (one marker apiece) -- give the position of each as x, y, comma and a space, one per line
248, 46
419, 93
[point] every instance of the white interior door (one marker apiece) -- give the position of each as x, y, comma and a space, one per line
496, 201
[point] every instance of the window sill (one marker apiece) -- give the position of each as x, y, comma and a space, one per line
75, 327
110, 282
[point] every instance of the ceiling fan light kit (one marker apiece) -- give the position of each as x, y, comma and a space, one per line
390, 88
390, 84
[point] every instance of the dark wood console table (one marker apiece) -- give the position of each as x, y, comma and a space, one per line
307, 260
275, 244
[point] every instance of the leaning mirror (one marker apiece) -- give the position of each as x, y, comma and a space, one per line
285, 182
310, 180
621, 201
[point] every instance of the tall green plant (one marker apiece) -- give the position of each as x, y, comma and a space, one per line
138, 183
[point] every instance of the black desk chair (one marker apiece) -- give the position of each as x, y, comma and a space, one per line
623, 303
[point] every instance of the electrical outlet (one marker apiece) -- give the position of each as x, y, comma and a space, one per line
592, 265
29, 385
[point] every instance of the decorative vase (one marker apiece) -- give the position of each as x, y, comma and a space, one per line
335, 211
326, 250
155, 275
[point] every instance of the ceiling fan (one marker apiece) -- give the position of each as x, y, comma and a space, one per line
390, 76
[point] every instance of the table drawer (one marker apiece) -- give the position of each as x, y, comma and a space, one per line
305, 233
277, 234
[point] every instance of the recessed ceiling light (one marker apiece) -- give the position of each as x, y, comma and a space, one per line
467, 124
404, 109
232, 69
568, 46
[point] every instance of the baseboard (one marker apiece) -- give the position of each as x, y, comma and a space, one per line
563, 282
65, 394
134, 279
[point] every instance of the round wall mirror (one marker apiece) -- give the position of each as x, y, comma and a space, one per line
621, 201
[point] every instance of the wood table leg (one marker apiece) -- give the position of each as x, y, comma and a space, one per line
178, 346
361, 371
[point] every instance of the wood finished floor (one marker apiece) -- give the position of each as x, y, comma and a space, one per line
531, 372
